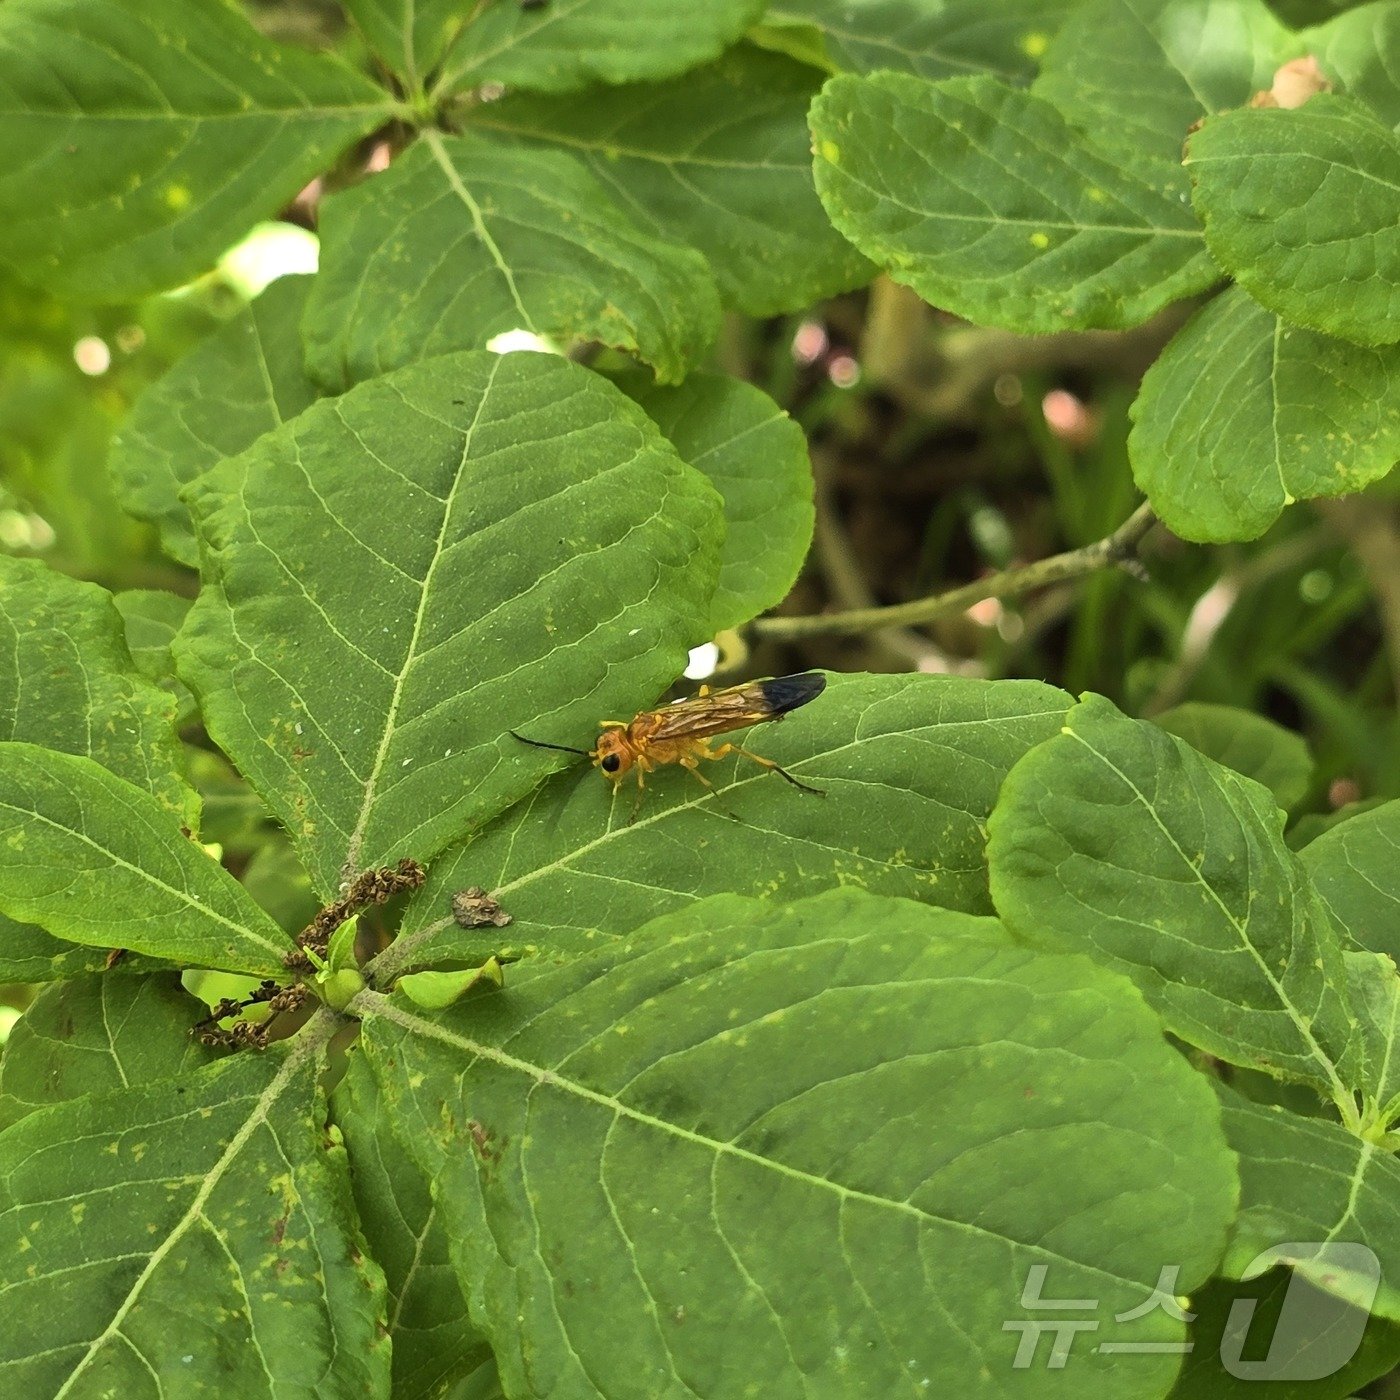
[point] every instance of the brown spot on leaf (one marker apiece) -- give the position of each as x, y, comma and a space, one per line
474, 908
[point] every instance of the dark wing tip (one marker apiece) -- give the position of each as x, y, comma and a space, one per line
784, 693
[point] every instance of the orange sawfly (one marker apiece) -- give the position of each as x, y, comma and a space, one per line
681, 733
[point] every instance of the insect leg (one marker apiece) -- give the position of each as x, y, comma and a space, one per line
641, 792
690, 764
764, 763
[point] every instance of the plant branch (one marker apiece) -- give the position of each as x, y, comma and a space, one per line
1118, 549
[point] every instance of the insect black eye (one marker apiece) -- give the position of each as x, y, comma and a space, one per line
611, 763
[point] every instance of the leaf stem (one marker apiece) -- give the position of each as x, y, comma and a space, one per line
1118, 549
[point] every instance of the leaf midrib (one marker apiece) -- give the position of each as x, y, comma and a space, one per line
376, 1003
356, 841
308, 1044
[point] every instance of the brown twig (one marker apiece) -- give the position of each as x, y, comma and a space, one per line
1118, 550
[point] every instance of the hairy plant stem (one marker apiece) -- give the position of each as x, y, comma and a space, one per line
1118, 549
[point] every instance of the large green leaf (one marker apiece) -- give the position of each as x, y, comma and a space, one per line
1308, 1179
1249, 743
242, 382
96, 1033
1119, 839
156, 1237
401, 575
824, 1144
910, 765
144, 136
756, 458
985, 201
1355, 867
930, 38
720, 160
1139, 74
1243, 414
568, 44
432, 1341
1300, 208
68, 682
95, 860
463, 238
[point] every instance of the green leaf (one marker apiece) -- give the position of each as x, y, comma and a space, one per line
1138, 74
1372, 1061
931, 38
436, 991
1356, 51
98, 1033
720, 161
1355, 867
1313, 1332
462, 239
1307, 1179
1250, 744
1119, 839
910, 765
985, 201
197, 1227
151, 619
340, 952
146, 135
28, 954
433, 1342
410, 36
1311, 825
752, 1130
1243, 414
95, 860
755, 456
399, 576
1299, 207
564, 47
68, 682
242, 382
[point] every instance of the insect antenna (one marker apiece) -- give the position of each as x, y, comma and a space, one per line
540, 744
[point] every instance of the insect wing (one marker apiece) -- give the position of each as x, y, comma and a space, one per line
735, 708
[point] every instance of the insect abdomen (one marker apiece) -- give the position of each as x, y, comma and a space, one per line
784, 693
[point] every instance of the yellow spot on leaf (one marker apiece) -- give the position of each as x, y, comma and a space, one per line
830, 152
1040, 240
177, 196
